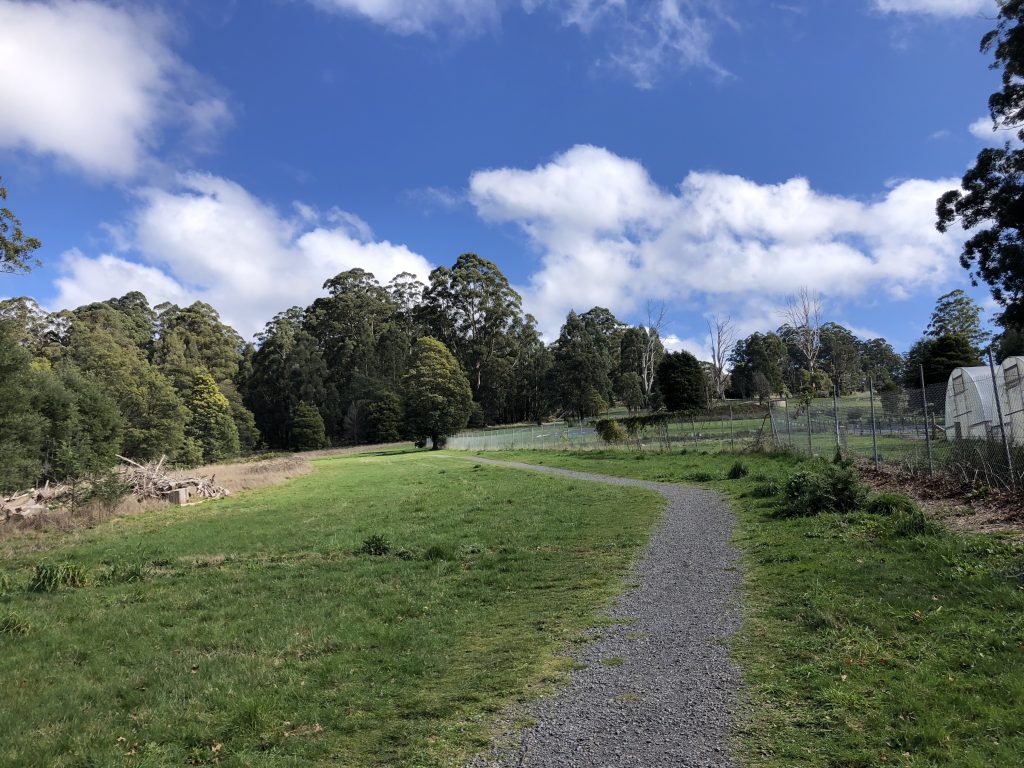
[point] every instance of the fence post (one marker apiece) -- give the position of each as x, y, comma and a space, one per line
927, 424
810, 442
874, 428
771, 416
835, 414
732, 438
789, 424
1002, 427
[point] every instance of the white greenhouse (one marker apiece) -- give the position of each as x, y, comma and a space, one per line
971, 403
1012, 371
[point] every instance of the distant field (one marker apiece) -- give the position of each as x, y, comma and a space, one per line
250, 631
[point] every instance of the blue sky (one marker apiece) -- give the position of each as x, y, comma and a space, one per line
713, 156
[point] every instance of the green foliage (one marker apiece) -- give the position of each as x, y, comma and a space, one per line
50, 577
826, 488
989, 194
13, 624
582, 361
21, 427
889, 503
738, 470
957, 314
593, 404
757, 363
15, 248
108, 490
767, 489
610, 430
124, 572
385, 417
210, 423
680, 379
437, 396
375, 545
307, 428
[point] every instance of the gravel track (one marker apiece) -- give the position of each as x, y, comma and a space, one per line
655, 690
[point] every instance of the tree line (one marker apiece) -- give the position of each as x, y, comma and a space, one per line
367, 362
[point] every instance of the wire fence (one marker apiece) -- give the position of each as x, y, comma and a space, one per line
970, 428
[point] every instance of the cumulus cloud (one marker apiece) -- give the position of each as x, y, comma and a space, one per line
994, 135
608, 235
96, 86
948, 8
211, 240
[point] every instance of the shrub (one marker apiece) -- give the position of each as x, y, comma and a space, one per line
437, 552
890, 503
737, 471
768, 489
50, 578
375, 545
911, 522
830, 488
610, 431
702, 477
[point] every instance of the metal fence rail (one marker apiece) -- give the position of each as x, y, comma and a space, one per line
970, 428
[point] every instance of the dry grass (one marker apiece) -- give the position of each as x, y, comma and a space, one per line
246, 476
236, 477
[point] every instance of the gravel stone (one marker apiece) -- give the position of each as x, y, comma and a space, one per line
657, 689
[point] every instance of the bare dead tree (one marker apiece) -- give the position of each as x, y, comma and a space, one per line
651, 347
803, 315
723, 338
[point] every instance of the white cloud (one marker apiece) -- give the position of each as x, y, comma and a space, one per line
649, 37
609, 236
984, 129
948, 8
94, 85
211, 240
408, 17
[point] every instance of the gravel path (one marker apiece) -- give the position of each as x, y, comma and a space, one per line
656, 690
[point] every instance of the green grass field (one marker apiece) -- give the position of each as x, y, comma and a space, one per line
860, 649
249, 631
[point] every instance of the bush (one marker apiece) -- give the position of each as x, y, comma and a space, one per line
911, 522
375, 545
890, 503
50, 578
737, 471
610, 431
437, 552
830, 488
702, 477
768, 489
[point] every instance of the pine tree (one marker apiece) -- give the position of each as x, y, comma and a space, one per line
307, 428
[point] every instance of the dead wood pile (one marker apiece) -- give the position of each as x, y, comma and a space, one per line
143, 481
152, 481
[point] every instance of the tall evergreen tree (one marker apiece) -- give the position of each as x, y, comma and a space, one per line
437, 396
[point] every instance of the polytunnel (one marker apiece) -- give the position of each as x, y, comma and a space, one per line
1012, 371
971, 403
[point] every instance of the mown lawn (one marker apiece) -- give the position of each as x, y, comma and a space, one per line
860, 648
250, 631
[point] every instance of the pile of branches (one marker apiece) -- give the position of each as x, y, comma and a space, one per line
153, 481
27, 505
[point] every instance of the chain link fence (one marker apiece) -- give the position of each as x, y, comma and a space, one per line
971, 428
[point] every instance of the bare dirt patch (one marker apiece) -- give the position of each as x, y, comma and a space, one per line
967, 509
